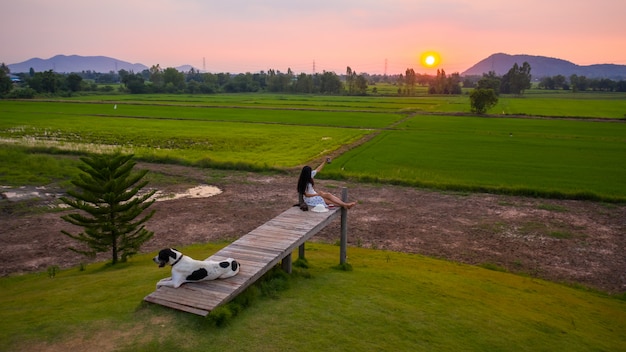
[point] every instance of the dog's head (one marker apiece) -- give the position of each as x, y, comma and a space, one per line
167, 256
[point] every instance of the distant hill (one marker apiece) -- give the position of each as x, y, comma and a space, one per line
542, 66
76, 63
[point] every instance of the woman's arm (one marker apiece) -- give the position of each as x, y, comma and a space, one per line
319, 168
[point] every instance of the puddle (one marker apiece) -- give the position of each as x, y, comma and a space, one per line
202, 191
25, 193
30, 192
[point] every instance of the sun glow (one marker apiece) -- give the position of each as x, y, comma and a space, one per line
430, 59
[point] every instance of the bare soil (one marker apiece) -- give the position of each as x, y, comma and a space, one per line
577, 242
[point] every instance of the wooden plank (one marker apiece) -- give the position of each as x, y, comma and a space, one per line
258, 252
177, 306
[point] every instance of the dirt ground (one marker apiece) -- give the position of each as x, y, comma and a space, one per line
559, 240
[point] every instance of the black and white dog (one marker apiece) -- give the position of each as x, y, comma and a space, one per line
185, 269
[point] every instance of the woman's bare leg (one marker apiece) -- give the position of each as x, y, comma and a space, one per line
330, 198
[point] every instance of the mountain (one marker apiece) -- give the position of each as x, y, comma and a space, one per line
185, 68
75, 63
542, 66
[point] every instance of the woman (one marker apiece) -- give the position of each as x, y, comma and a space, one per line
312, 198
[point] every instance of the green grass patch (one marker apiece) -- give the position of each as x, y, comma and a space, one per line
195, 142
165, 110
547, 158
566, 104
21, 166
552, 207
389, 301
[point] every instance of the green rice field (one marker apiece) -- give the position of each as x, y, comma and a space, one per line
425, 141
568, 158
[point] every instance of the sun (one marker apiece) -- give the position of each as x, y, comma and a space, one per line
430, 59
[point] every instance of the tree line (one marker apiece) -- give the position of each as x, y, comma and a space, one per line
578, 83
170, 80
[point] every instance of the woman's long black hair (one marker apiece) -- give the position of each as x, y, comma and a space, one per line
305, 178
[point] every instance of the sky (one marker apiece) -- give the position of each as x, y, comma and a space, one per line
369, 36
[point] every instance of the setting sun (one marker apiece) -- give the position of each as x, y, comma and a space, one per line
430, 59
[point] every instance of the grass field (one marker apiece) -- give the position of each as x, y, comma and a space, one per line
534, 102
561, 158
551, 158
183, 136
389, 301
587, 105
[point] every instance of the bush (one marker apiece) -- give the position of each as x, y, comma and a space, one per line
22, 93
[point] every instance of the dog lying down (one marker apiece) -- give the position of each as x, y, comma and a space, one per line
185, 269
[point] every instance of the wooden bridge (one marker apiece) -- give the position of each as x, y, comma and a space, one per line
257, 252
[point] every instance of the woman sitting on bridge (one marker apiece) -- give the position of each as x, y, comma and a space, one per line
312, 198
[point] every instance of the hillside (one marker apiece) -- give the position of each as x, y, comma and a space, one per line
76, 63
542, 66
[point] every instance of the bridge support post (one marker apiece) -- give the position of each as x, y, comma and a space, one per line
286, 264
344, 228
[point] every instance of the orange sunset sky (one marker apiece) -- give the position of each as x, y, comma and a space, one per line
322, 35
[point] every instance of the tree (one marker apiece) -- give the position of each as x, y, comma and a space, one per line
5, 80
45, 82
350, 78
134, 83
175, 78
107, 192
445, 85
360, 85
330, 83
156, 77
304, 84
579, 83
410, 81
482, 100
489, 81
73, 82
516, 80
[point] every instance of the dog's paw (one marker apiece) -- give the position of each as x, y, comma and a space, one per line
165, 282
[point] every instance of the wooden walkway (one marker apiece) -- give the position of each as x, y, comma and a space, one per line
257, 252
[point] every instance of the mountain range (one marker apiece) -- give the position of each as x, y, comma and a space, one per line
541, 66
76, 63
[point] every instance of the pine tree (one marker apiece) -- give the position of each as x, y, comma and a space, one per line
107, 191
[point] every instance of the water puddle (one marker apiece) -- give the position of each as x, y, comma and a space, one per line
31, 192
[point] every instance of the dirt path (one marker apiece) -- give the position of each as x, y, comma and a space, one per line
564, 241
